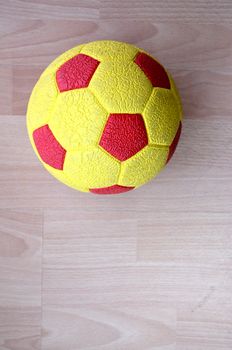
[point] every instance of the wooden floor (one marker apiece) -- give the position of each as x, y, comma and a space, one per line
148, 270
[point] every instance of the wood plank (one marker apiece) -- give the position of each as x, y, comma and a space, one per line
178, 45
196, 297
199, 11
76, 239
20, 278
70, 9
177, 295
177, 10
199, 237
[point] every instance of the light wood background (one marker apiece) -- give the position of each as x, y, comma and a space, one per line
147, 270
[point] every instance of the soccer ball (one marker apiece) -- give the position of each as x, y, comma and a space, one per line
104, 117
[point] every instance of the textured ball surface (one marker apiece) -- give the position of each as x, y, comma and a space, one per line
104, 117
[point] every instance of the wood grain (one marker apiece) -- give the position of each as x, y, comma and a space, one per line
20, 328
124, 325
147, 270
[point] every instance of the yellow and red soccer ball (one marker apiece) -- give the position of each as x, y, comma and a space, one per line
104, 117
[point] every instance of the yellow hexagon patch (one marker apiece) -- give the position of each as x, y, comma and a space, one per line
162, 117
143, 166
121, 88
78, 119
91, 169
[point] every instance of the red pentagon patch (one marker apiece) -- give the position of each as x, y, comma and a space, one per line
124, 135
76, 73
49, 149
174, 144
111, 189
153, 70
